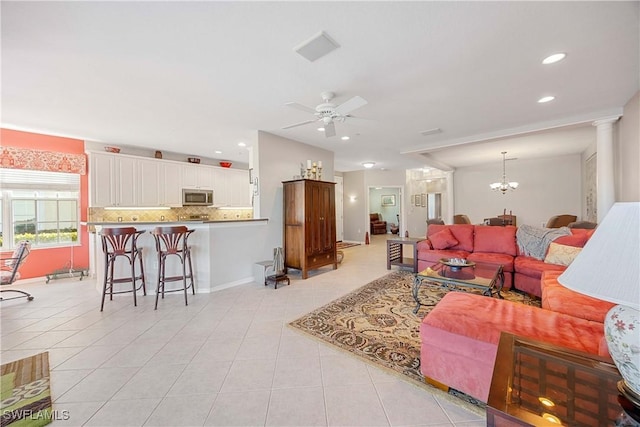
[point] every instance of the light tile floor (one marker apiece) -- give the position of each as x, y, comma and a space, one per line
226, 359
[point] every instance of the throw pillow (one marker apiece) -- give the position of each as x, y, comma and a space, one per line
443, 239
576, 240
561, 254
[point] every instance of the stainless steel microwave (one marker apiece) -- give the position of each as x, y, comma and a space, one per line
197, 197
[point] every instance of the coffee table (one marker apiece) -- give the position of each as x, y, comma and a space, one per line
488, 277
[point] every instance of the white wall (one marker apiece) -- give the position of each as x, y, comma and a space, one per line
278, 159
355, 207
628, 153
548, 186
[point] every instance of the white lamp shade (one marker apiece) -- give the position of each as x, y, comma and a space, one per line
608, 267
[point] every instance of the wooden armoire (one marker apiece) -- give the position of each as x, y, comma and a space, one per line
309, 225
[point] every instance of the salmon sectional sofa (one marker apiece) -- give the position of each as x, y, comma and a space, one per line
493, 245
459, 337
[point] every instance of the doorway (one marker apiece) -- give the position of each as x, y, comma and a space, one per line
387, 203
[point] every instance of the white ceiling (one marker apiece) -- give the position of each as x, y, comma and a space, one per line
194, 77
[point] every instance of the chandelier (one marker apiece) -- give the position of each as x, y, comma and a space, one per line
504, 185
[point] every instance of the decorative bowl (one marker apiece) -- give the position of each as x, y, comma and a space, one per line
112, 149
225, 164
193, 160
456, 263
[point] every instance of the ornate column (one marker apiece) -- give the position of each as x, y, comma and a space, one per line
604, 164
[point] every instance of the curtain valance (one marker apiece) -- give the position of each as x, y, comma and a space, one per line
51, 161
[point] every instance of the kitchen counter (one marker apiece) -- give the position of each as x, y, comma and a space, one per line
223, 251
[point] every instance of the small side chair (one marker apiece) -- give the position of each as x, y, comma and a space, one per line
9, 271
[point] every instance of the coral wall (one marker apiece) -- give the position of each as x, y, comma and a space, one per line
43, 261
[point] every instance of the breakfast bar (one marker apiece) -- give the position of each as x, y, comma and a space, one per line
223, 251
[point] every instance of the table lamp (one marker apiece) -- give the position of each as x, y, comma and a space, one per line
608, 268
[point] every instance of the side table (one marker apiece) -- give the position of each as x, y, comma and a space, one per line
395, 253
536, 383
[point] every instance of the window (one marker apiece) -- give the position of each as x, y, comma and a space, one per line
41, 207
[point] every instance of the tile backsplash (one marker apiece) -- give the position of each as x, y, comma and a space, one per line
172, 214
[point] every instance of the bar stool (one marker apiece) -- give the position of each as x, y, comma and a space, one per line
172, 241
121, 243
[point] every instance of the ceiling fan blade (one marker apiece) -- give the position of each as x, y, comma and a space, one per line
300, 107
350, 105
299, 124
330, 130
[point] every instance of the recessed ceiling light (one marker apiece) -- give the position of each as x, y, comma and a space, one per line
546, 99
320, 129
218, 152
345, 138
368, 165
241, 144
554, 58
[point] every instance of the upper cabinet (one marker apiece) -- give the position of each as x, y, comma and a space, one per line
196, 176
131, 181
112, 180
232, 188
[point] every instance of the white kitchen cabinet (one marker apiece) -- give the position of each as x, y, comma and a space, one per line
112, 180
125, 180
101, 189
148, 183
171, 178
240, 188
231, 188
220, 187
196, 176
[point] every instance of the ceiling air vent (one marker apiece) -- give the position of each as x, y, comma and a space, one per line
317, 46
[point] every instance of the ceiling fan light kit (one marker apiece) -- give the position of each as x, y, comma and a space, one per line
327, 113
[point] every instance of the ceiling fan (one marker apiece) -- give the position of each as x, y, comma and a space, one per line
327, 112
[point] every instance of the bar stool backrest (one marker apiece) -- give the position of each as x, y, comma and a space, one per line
116, 240
171, 240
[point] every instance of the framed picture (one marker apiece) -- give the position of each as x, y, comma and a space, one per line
423, 200
417, 200
388, 200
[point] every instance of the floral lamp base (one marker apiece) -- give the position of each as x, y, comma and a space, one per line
622, 332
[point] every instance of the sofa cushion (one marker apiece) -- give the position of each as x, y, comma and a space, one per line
500, 240
483, 318
561, 254
533, 267
576, 240
556, 297
494, 259
462, 232
443, 239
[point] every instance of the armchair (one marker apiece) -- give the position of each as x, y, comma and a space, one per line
9, 270
377, 225
558, 221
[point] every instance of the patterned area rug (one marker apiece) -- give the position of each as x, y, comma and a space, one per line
344, 245
25, 394
376, 323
